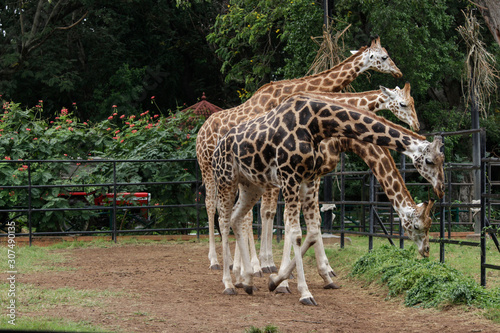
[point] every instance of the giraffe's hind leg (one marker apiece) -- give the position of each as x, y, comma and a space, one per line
267, 213
248, 197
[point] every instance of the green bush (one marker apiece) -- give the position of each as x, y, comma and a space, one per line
35, 134
423, 282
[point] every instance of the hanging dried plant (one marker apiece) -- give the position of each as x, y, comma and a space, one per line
330, 52
479, 81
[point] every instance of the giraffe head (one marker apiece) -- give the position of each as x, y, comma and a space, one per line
430, 165
419, 225
376, 58
402, 105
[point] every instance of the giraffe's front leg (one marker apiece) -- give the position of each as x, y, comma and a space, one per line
313, 223
295, 235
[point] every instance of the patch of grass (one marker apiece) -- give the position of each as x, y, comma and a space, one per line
30, 298
424, 282
33, 259
267, 329
25, 323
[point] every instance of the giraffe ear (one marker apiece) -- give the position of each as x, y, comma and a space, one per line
354, 51
388, 92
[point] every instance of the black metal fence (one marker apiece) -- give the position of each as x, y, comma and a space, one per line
109, 204
375, 216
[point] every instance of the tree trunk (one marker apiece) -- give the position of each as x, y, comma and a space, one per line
490, 9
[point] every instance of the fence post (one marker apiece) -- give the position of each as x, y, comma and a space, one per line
197, 198
372, 215
342, 199
113, 236
483, 207
442, 219
30, 226
403, 174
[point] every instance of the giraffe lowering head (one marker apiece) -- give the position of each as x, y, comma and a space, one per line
417, 226
430, 165
402, 105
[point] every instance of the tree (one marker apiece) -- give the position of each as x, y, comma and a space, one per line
262, 40
27, 25
490, 9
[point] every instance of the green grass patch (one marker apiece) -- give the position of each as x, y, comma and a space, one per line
30, 298
30, 259
267, 329
26, 323
424, 282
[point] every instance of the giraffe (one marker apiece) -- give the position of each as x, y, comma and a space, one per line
280, 149
400, 102
374, 57
397, 100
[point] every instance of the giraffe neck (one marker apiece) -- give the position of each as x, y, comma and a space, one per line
384, 169
331, 120
336, 78
373, 101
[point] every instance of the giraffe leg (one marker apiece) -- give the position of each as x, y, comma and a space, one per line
257, 271
295, 235
267, 212
248, 197
283, 287
211, 203
322, 263
225, 208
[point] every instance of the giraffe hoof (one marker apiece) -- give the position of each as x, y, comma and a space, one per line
283, 290
308, 301
230, 291
238, 285
272, 285
215, 267
331, 286
266, 270
258, 274
249, 289
274, 269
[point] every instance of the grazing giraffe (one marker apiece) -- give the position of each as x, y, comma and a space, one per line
400, 102
281, 149
374, 57
415, 219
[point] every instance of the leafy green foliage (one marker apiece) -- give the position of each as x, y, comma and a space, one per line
423, 282
28, 135
252, 37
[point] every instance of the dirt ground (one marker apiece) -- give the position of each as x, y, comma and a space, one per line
169, 288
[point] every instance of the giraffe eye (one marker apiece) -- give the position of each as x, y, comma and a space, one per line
403, 105
429, 162
384, 58
416, 227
